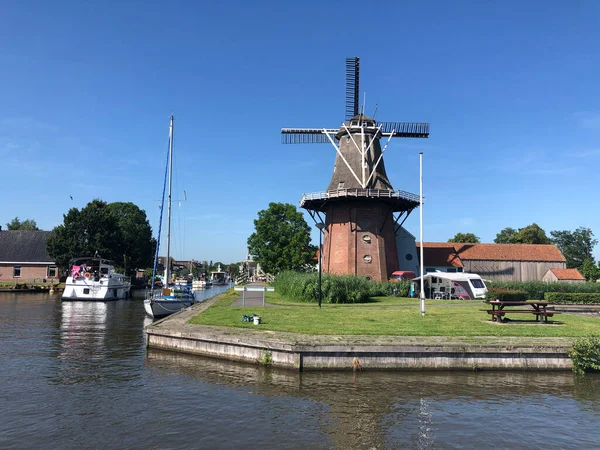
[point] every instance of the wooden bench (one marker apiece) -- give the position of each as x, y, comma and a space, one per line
500, 313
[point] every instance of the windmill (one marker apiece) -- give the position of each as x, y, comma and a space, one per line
362, 210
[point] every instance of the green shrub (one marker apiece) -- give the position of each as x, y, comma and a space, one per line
585, 354
582, 298
304, 287
537, 289
506, 295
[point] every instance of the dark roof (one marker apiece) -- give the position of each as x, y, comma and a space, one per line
440, 256
24, 246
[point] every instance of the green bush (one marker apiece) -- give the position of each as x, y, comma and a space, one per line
506, 295
304, 287
582, 298
585, 354
537, 289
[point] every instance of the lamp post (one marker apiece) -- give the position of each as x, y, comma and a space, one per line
320, 226
422, 294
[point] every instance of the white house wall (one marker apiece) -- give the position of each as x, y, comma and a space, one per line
406, 245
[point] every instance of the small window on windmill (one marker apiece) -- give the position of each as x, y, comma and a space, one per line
366, 238
367, 259
341, 185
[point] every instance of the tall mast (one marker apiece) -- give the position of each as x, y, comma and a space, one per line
168, 264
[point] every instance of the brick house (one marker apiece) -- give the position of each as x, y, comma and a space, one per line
23, 256
565, 275
497, 262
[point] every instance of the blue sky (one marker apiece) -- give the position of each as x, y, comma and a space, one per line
510, 89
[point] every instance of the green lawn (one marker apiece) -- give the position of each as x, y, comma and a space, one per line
388, 316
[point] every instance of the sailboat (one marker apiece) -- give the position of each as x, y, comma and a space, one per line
169, 298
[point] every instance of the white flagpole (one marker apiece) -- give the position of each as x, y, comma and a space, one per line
422, 296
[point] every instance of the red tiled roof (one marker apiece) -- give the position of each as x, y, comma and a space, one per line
567, 274
503, 252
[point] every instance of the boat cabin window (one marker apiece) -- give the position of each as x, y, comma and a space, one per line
104, 270
451, 269
86, 290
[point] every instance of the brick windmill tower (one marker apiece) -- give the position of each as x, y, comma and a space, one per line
362, 211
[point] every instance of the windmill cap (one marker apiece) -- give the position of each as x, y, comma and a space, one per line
362, 118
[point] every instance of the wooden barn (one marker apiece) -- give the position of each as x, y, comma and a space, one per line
498, 262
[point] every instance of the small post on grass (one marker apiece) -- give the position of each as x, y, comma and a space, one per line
264, 293
422, 295
244, 296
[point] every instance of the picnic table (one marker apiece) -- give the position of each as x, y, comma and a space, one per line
538, 308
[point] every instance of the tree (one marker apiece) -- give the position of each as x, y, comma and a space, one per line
531, 234
137, 244
26, 225
505, 236
120, 233
281, 240
465, 238
589, 270
576, 246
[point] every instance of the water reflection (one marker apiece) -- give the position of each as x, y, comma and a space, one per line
77, 376
415, 410
83, 325
96, 340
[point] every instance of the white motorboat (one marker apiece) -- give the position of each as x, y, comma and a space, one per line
218, 277
169, 299
94, 278
200, 284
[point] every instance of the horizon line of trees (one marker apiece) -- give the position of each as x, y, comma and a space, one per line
123, 221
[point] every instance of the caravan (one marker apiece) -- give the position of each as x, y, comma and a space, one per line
450, 285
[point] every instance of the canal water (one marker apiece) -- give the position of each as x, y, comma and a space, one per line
76, 375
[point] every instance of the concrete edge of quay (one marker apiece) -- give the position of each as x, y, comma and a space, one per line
302, 352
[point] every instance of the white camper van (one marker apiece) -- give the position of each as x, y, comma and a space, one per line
449, 285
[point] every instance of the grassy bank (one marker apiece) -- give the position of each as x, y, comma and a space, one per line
387, 316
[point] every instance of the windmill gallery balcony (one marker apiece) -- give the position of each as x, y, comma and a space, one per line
318, 200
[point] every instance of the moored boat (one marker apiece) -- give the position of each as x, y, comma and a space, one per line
95, 279
168, 299
200, 284
218, 277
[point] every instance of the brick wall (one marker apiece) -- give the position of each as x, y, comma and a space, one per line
29, 272
359, 240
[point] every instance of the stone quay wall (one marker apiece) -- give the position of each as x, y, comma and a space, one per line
307, 352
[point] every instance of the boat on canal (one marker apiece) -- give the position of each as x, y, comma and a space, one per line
170, 298
200, 284
218, 277
94, 279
